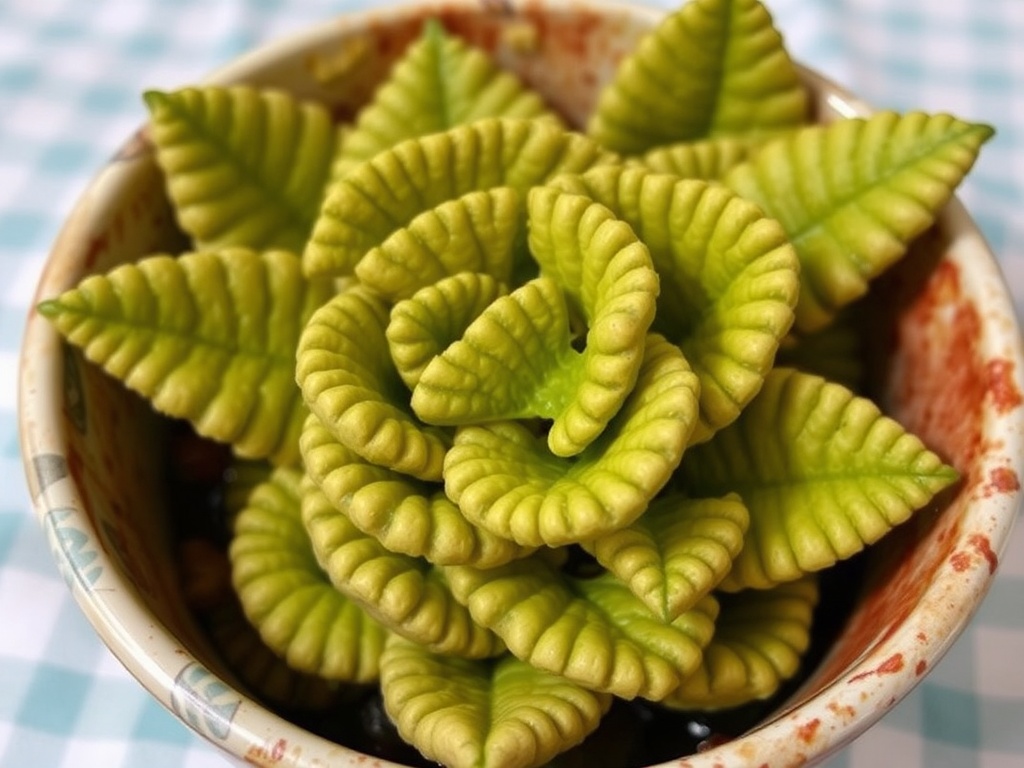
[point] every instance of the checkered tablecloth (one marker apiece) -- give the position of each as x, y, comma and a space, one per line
70, 76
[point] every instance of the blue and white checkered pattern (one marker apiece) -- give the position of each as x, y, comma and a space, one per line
70, 77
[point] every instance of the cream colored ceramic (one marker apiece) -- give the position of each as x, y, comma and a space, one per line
950, 353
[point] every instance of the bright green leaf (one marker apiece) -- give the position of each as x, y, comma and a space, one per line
708, 159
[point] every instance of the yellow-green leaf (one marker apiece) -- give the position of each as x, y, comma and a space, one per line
708, 159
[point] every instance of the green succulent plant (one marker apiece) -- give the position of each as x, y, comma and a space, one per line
471, 343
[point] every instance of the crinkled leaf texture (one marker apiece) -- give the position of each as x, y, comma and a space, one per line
482, 231
406, 594
423, 326
594, 632
760, 637
708, 159
288, 597
851, 196
439, 82
244, 166
822, 472
389, 190
676, 552
711, 68
729, 278
348, 380
466, 714
504, 478
209, 337
407, 516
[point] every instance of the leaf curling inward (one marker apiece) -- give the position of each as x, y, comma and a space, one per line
482, 231
408, 517
287, 596
348, 379
386, 192
405, 594
705, 159
594, 632
440, 81
853, 194
505, 479
676, 552
503, 714
244, 166
711, 68
729, 278
423, 326
760, 638
822, 471
208, 337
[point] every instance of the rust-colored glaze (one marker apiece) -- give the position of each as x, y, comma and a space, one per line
1004, 392
267, 754
1003, 480
921, 666
841, 711
96, 247
983, 547
960, 561
890, 666
807, 731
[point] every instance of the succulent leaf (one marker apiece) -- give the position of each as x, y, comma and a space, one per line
852, 195
287, 596
729, 278
405, 594
385, 193
465, 713
349, 381
209, 337
244, 166
712, 68
760, 637
822, 472
408, 517
676, 552
481, 231
505, 479
708, 159
439, 82
594, 632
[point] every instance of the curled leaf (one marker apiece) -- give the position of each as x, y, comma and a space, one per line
853, 194
408, 517
676, 552
423, 326
405, 594
729, 277
504, 478
711, 68
439, 82
349, 381
760, 637
388, 191
465, 713
244, 166
287, 596
594, 632
209, 337
481, 231
708, 159
822, 472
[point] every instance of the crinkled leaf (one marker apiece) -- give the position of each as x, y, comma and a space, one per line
209, 337
439, 82
708, 159
760, 637
822, 472
406, 594
481, 231
347, 378
851, 196
504, 478
729, 277
388, 191
594, 632
676, 552
408, 517
465, 713
424, 325
244, 166
711, 68
287, 596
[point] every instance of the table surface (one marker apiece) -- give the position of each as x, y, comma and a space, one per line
70, 77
